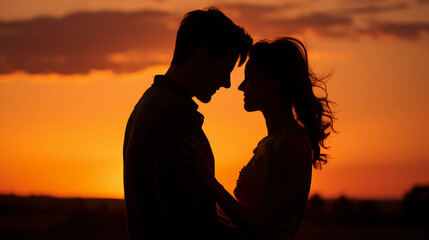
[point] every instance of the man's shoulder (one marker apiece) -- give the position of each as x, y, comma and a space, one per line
159, 97
157, 100
159, 106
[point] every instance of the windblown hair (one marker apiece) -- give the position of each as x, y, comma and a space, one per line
212, 29
286, 59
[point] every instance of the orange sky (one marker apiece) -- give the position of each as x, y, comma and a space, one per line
69, 83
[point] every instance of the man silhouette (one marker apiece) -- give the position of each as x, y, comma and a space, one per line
163, 195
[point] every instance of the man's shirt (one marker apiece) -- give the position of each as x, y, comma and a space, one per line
164, 196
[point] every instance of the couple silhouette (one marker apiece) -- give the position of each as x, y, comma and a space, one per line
169, 184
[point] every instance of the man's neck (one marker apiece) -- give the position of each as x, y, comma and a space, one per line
181, 76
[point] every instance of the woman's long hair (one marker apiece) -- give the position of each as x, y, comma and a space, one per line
286, 59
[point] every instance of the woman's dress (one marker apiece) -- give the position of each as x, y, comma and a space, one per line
277, 190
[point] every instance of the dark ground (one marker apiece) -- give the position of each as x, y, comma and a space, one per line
59, 218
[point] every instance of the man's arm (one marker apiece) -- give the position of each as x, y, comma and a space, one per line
185, 205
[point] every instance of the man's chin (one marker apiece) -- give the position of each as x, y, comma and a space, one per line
204, 99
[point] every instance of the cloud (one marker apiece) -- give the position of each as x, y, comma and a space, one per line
126, 42
372, 9
406, 31
362, 1
320, 23
80, 42
273, 20
423, 1
336, 24
259, 9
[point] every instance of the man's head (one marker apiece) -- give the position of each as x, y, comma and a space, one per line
211, 44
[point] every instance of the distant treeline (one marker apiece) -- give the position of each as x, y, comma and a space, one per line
412, 210
37, 217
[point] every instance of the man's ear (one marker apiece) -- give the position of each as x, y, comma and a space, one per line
275, 82
201, 57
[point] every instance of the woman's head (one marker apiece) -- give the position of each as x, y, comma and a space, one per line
280, 69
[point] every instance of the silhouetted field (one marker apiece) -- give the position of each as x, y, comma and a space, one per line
60, 218
37, 217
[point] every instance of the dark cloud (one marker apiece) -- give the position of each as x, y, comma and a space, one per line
332, 23
259, 19
423, 1
131, 41
362, 1
83, 41
258, 8
372, 9
407, 31
320, 23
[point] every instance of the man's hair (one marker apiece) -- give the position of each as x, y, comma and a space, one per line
210, 28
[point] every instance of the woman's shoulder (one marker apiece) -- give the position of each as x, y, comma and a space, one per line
290, 147
297, 139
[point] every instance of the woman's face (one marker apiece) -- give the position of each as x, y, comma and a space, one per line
257, 88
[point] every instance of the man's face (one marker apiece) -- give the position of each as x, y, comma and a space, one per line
216, 74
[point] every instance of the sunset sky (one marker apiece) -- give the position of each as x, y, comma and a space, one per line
72, 71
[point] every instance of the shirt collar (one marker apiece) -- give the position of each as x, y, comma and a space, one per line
164, 81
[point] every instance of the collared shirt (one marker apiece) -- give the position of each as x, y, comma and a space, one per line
164, 196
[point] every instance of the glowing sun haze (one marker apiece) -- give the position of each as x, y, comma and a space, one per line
71, 72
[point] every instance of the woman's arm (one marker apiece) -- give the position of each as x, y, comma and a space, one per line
247, 222
251, 225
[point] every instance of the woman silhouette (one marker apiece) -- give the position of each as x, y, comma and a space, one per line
272, 189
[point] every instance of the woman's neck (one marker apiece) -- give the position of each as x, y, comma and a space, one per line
279, 118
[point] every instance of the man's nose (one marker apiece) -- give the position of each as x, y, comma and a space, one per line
241, 87
227, 82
